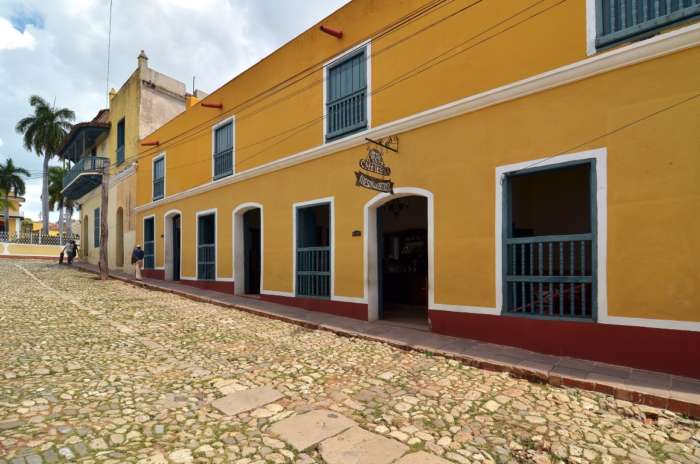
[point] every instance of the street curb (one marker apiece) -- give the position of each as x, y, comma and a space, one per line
532, 375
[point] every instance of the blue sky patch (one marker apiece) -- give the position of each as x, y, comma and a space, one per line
21, 20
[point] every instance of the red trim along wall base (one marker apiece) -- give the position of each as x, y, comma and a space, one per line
153, 273
338, 308
662, 350
217, 286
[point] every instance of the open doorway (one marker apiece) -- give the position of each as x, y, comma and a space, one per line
252, 251
120, 237
248, 249
402, 259
173, 245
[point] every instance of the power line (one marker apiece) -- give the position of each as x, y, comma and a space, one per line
109, 48
428, 8
607, 134
421, 68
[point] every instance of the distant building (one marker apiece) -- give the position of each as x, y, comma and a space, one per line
145, 101
16, 215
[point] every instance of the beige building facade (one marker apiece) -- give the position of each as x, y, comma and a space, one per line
111, 141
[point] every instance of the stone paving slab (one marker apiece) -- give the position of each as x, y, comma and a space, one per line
421, 457
246, 400
308, 430
85, 391
534, 366
358, 446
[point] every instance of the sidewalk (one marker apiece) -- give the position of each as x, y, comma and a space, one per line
655, 389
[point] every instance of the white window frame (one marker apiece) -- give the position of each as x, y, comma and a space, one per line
206, 212
601, 198
219, 124
161, 156
591, 27
330, 201
143, 239
368, 68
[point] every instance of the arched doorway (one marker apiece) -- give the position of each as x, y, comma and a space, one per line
399, 256
172, 244
248, 249
120, 237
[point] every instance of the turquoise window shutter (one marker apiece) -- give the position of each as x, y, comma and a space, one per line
223, 151
346, 91
620, 20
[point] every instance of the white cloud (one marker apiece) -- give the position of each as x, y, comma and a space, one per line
1, 143
11, 38
64, 54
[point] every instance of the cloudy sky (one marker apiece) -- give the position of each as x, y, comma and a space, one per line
58, 49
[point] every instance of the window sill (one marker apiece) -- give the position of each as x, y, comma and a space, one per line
346, 134
222, 176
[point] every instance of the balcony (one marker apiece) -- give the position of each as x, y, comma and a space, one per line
84, 176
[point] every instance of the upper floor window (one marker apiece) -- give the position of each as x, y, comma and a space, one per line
346, 95
223, 149
158, 178
620, 20
96, 229
120, 141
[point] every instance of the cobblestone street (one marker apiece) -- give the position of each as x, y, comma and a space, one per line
95, 371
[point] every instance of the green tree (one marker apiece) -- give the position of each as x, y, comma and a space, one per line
57, 200
44, 132
11, 182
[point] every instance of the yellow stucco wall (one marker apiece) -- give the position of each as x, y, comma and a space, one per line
652, 167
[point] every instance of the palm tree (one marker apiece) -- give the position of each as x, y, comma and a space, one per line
44, 132
11, 182
56, 199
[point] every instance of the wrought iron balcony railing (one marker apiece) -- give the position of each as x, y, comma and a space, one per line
84, 176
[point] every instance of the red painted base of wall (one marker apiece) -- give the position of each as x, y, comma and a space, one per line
153, 273
223, 287
338, 308
670, 351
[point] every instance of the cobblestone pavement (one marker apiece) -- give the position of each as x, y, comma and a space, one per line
95, 371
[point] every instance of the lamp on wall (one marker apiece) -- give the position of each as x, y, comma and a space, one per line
397, 206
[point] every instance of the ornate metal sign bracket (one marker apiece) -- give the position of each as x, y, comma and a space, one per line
390, 143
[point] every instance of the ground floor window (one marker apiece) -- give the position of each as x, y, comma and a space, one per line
206, 247
313, 251
149, 244
549, 241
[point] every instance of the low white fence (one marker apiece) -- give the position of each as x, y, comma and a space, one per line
37, 238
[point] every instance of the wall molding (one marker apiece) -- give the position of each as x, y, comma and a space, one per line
644, 50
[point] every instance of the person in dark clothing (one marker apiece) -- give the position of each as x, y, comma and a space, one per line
137, 261
71, 251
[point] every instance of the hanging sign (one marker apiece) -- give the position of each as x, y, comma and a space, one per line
372, 183
374, 163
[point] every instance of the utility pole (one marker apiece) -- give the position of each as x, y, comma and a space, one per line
104, 212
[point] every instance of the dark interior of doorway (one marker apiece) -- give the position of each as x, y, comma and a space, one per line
403, 261
176, 247
252, 254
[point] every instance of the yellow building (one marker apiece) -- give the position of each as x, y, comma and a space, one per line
16, 215
524, 174
145, 101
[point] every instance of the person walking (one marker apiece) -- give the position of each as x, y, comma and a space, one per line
71, 251
137, 261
